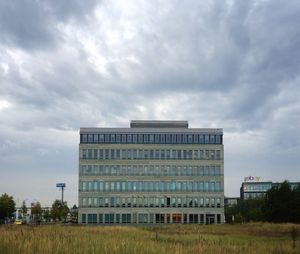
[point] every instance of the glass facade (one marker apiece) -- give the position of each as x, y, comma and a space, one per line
154, 176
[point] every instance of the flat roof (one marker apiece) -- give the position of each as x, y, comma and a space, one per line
145, 126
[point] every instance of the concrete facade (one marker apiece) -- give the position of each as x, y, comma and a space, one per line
152, 172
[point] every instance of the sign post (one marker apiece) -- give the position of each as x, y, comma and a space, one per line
62, 186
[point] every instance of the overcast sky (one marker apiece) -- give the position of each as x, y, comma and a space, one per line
70, 64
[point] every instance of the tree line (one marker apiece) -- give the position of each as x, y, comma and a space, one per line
280, 204
58, 212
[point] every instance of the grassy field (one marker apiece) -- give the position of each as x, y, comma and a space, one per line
248, 238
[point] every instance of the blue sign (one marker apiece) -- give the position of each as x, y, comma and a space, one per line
61, 185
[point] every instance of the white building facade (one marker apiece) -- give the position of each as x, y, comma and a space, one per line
153, 172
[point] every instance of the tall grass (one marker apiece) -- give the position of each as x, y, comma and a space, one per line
247, 238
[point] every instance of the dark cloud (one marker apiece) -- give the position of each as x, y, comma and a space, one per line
65, 65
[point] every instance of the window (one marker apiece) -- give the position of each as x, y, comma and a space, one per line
112, 154
178, 138
184, 139
162, 154
157, 139
206, 139
129, 154
179, 154
196, 155
168, 139
190, 139
151, 154
112, 138
134, 139
201, 188
129, 138
146, 138
84, 138
106, 154
173, 154
162, 138
140, 138
96, 138
206, 186
151, 138
118, 138
90, 137
212, 186
168, 154
123, 138
218, 139
107, 138
212, 139
196, 140
83, 186
95, 186
118, 154
218, 155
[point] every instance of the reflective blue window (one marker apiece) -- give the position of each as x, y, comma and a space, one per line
134, 138
190, 139
201, 139
156, 154
184, 139
196, 139
96, 138
140, 138
84, 138
151, 154
178, 186
162, 138
151, 138
151, 186
168, 139
173, 186
218, 139
123, 187
118, 138
212, 139
134, 187
129, 139
146, 138
146, 186
212, 186
173, 139
162, 154
146, 155
107, 138
201, 186
179, 154
157, 141
190, 186
129, 154
179, 139
206, 186
112, 138
168, 186
123, 138
195, 186
91, 138
168, 154
128, 186
184, 186
157, 186
206, 139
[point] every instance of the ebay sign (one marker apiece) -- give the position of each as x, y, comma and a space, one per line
252, 179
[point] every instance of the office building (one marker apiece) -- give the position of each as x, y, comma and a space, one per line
153, 172
256, 189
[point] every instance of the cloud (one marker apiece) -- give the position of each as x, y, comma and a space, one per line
229, 64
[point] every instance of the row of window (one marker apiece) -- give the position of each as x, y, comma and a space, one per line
150, 139
150, 154
126, 218
180, 202
146, 170
257, 187
151, 186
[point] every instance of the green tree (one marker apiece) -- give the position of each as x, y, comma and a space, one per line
24, 208
47, 215
7, 207
36, 212
59, 211
74, 214
279, 203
